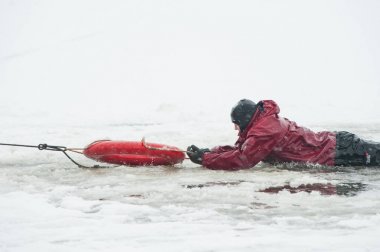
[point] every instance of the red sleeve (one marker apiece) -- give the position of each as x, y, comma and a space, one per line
220, 149
255, 148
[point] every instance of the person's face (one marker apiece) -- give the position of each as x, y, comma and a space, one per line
237, 127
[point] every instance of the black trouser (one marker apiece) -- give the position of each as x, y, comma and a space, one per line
352, 150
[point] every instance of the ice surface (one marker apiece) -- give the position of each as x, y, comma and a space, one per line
72, 72
48, 204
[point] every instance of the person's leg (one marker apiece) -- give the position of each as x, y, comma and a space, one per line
373, 149
352, 150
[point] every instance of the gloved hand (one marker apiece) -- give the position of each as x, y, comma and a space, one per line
195, 154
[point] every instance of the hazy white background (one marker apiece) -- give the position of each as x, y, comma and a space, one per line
74, 71
117, 59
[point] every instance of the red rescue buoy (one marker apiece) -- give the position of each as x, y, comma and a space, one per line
133, 153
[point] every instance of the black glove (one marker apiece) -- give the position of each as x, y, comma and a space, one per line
195, 154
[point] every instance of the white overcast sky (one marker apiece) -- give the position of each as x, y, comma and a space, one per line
317, 59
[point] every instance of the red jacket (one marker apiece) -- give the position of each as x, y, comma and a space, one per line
271, 138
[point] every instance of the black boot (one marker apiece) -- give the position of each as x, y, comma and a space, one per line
354, 151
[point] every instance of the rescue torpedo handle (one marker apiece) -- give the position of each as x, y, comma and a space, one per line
162, 148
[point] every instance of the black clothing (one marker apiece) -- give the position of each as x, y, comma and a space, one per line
242, 112
352, 150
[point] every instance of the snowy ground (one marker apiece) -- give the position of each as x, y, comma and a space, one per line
72, 72
48, 204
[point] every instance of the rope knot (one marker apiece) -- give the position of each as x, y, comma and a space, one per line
42, 146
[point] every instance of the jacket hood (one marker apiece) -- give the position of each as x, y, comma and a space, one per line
270, 107
265, 108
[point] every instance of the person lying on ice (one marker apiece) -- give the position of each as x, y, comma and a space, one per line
265, 136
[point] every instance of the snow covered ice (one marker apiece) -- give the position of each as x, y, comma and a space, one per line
48, 204
74, 72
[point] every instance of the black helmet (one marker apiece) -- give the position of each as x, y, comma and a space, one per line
242, 113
